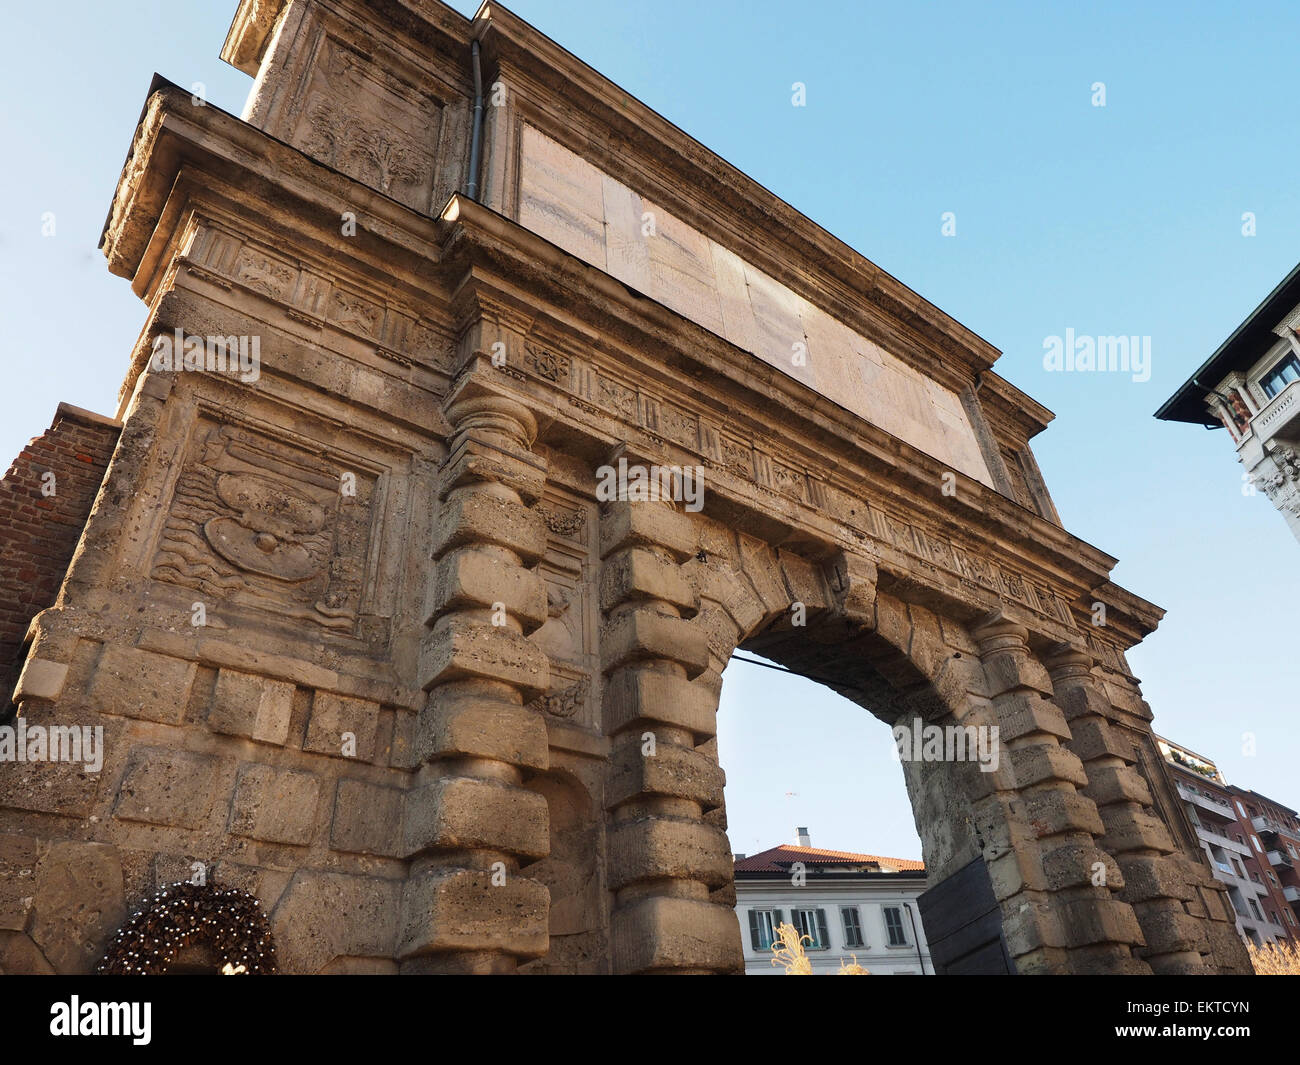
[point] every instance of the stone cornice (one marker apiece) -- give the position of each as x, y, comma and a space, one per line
174, 135
514, 265
1012, 414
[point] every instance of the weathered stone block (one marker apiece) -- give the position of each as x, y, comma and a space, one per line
639, 574
462, 909
1168, 931
674, 771
323, 916
464, 812
457, 723
639, 694
641, 634
1023, 714
1081, 700
1076, 865
17, 880
339, 724
1134, 830
78, 903
1009, 671
163, 786
275, 805
1110, 784
1093, 737
853, 582
654, 847
804, 583
40, 679
468, 578
476, 460
474, 516
453, 650
135, 683
1097, 919
1016, 870
19, 956
1044, 762
367, 819
662, 934
1060, 810
628, 524
251, 706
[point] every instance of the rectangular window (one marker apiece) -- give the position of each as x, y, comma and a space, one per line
812, 923
852, 926
1280, 376
897, 936
1290, 917
762, 928
1254, 908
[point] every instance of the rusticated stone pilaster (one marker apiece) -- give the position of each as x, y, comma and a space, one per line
664, 858
469, 824
1153, 878
1069, 922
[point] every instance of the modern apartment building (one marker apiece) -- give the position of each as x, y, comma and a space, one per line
1275, 838
1251, 386
850, 906
1251, 842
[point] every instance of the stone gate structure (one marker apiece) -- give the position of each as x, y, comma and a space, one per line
364, 641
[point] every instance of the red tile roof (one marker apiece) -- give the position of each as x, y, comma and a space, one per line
778, 859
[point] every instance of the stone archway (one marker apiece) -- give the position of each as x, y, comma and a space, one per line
1030, 821
363, 626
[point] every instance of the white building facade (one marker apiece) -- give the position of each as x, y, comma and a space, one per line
1251, 387
851, 907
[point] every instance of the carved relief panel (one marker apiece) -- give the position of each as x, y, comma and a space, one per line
371, 125
570, 633
263, 524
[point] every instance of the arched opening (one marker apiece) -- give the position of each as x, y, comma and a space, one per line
870, 908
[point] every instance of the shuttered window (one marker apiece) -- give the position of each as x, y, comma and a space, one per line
894, 926
762, 928
812, 923
852, 926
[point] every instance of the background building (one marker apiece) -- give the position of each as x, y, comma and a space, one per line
1275, 839
1251, 385
1252, 844
859, 906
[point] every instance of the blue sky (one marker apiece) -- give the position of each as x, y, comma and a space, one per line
1116, 220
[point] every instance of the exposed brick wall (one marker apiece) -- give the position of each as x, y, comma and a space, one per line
39, 532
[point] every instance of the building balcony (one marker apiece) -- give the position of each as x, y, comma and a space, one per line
1281, 418
1208, 835
1215, 806
1265, 824
1292, 894
1280, 859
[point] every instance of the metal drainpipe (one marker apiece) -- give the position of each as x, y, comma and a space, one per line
915, 938
476, 136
